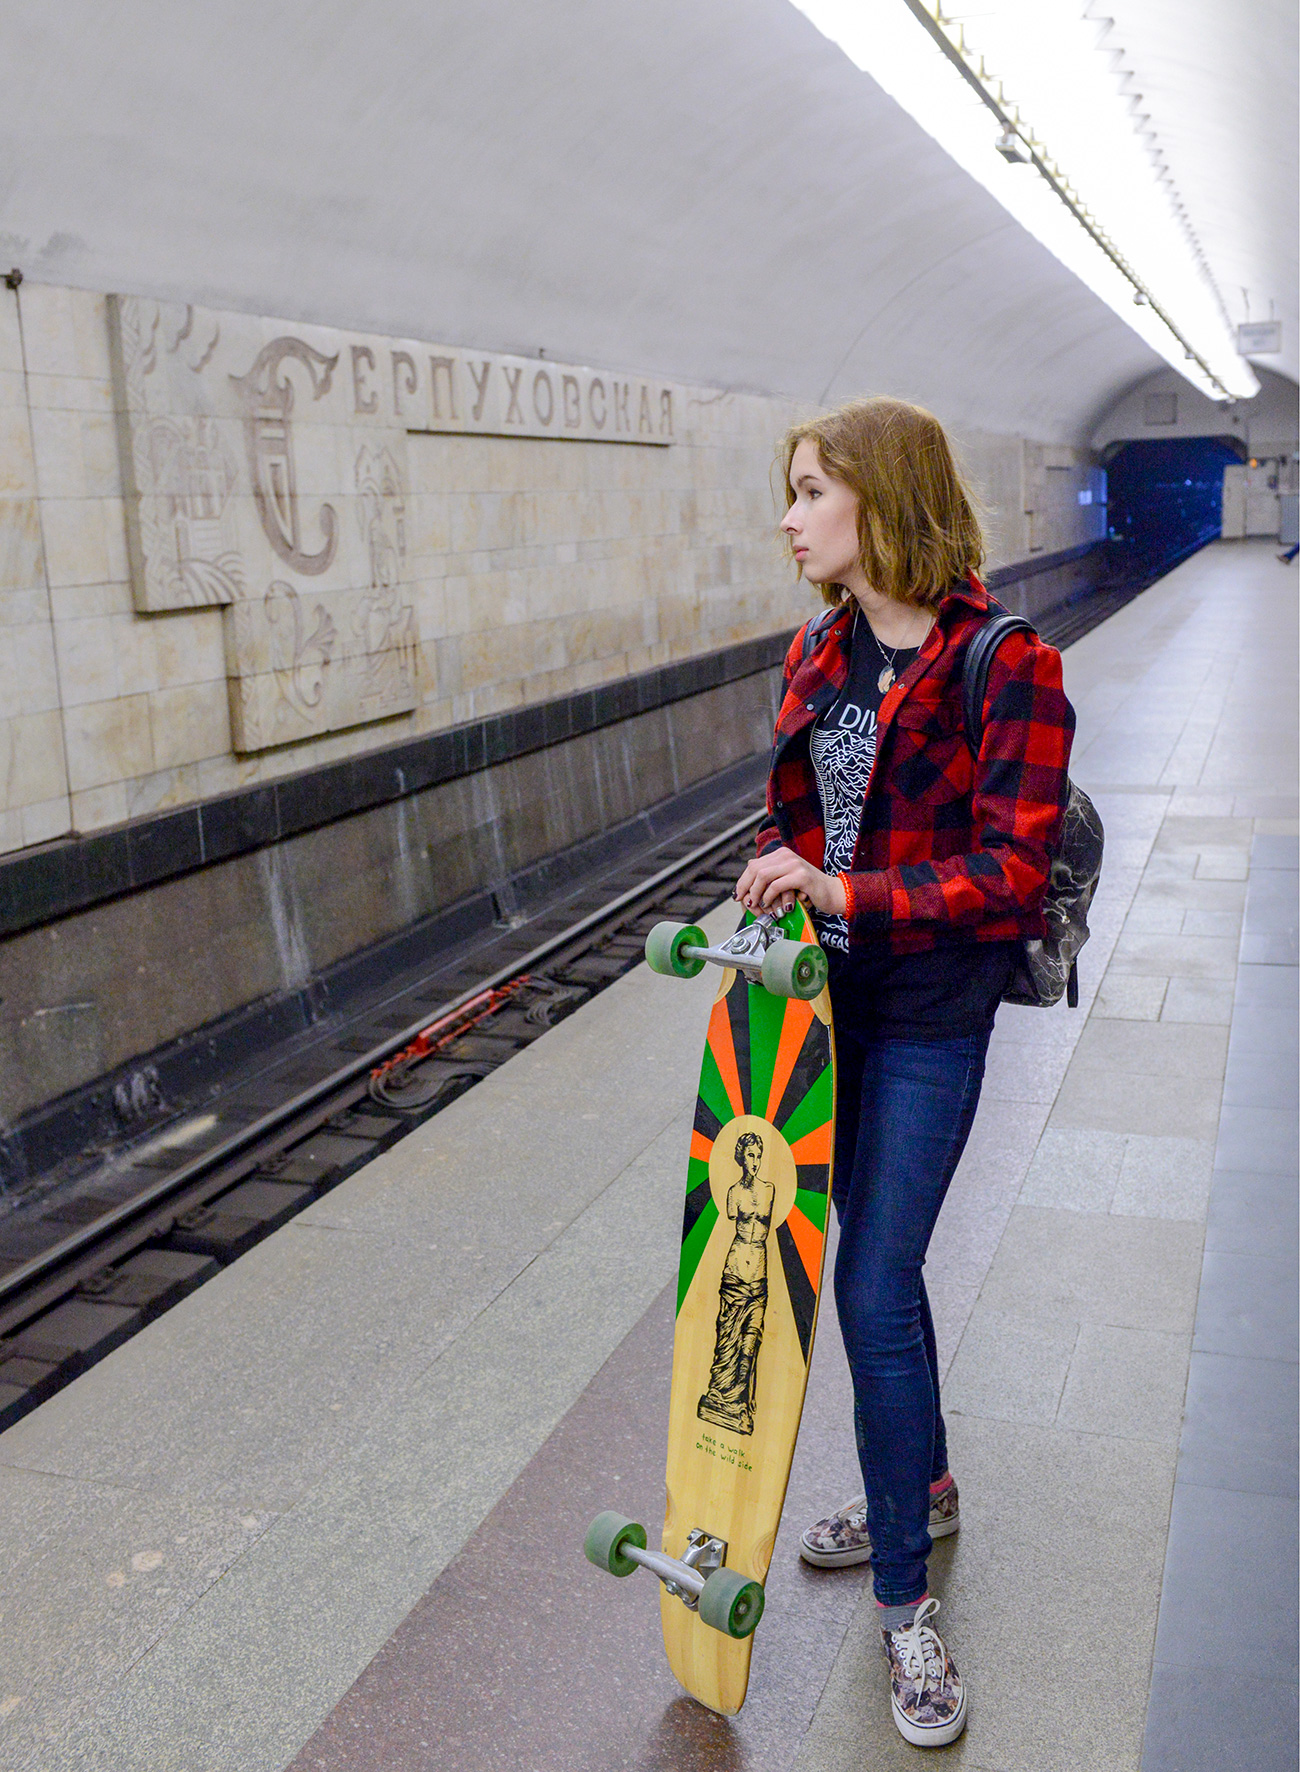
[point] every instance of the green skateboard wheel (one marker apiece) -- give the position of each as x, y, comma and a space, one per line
663, 949
731, 1603
606, 1536
794, 969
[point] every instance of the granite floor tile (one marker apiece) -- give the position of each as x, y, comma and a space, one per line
1283, 853
1257, 1138
1252, 1214
1267, 1079
1076, 1168
1220, 923
1222, 1719
1240, 1426
1164, 1178
1204, 1000
1010, 1368
1248, 1306
1153, 1049
1018, 1073
1119, 1101
1089, 1267
951, 1304
1176, 956
1126, 996
1126, 1382
1230, 1576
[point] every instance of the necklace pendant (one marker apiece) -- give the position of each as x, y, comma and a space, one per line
885, 681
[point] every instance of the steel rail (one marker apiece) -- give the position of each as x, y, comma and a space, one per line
259, 1132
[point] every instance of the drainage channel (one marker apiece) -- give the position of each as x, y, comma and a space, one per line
124, 1261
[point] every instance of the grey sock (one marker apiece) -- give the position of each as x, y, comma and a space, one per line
897, 1617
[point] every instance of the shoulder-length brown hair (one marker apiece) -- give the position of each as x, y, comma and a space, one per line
916, 520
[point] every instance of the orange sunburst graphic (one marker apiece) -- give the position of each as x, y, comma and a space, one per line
723, 1049
701, 1146
793, 1029
808, 1241
814, 1146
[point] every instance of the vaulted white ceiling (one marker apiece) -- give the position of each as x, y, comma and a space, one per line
1218, 80
702, 188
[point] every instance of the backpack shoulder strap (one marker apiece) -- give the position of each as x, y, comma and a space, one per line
816, 627
975, 669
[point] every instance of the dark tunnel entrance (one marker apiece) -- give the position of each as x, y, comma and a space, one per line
1166, 501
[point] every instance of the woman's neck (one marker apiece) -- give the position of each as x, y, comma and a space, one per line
894, 624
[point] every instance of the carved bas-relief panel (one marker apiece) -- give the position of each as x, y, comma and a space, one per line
265, 471
251, 483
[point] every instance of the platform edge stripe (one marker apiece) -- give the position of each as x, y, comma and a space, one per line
812, 1203
813, 1110
803, 1298
721, 1048
767, 1020
693, 1248
794, 1031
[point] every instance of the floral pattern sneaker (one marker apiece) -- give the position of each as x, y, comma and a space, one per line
926, 1692
842, 1539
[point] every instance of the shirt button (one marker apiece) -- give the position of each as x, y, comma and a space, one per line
809, 706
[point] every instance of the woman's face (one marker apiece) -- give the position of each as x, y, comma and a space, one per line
822, 523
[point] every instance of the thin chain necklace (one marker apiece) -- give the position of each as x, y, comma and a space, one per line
885, 681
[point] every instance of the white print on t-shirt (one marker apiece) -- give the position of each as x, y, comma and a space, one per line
842, 756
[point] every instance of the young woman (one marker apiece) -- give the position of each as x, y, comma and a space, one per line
924, 866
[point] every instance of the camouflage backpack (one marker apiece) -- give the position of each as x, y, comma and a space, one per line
1048, 966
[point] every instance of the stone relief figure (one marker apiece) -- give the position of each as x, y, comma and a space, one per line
384, 624
742, 1296
267, 393
300, 658
194, 475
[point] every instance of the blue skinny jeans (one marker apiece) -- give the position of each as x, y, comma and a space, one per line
904, 1112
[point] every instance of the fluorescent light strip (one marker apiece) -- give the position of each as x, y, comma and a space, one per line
934, 68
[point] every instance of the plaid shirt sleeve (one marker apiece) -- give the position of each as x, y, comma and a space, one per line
769, 835
1018, 801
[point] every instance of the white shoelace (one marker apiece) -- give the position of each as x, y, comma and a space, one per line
849, 1508
920, 1649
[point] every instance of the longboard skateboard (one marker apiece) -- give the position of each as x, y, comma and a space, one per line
753, 1239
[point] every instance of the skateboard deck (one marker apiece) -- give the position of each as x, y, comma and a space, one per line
753, 1239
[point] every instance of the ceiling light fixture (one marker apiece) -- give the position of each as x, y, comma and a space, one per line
1114, 220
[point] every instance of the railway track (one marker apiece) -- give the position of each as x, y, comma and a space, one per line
121, 1257
124, 1260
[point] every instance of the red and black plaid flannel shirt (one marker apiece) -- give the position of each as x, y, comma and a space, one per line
951, 846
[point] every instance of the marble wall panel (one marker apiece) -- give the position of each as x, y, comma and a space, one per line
34, 804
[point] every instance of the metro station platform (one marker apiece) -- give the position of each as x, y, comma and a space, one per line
327, 1512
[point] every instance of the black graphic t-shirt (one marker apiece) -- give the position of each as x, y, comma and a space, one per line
943, 993
843, 746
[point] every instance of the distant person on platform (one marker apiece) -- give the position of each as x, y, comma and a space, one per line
924, 867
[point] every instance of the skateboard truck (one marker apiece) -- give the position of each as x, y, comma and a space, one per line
703, 1554
759, 949
723, 1598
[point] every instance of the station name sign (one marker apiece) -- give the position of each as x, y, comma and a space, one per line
437, 389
